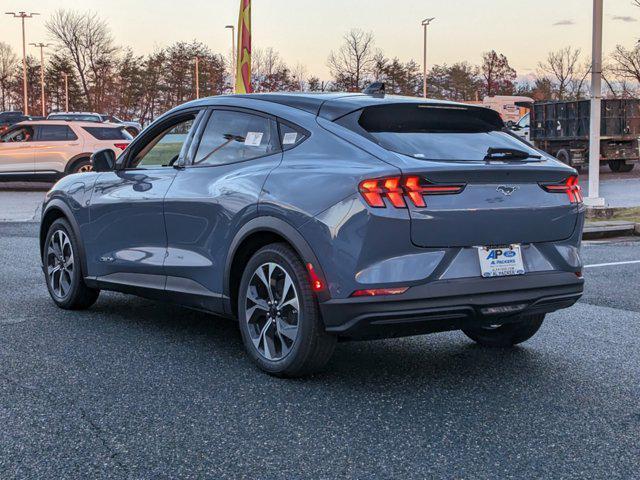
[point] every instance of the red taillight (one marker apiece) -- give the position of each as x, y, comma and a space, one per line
374, 191
121, 146
316, 283
569, 186
375, 292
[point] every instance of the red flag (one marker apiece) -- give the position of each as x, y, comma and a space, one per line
243, 67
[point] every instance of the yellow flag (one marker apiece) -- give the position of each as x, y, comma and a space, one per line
243, 67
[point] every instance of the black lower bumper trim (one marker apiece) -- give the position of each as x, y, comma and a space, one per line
400, 316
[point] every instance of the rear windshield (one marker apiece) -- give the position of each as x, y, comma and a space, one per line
433, 132
108, 133
75, 117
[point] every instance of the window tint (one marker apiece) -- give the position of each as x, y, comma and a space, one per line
290, 137
55, 133
434, 132
106, 133
78, 117
164, 150
234, 137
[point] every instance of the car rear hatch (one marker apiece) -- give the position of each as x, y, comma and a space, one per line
465, 181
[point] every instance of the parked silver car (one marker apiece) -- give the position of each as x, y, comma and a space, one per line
49, 149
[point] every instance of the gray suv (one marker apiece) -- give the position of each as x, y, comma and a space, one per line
311, 218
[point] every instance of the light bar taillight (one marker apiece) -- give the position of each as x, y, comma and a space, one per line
121, 146
376, 292
397, 189
569, 186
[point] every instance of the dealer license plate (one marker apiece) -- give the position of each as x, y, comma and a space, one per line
500, 261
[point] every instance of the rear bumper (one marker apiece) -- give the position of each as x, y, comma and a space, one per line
451, 305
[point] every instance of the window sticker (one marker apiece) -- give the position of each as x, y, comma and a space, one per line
253, 139
290, 138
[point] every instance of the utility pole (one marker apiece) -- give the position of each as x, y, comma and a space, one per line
234, 67
66, 91
594, 198
425, 24
41, 46
197, 77
22, 16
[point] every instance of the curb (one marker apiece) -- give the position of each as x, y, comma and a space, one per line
594, 230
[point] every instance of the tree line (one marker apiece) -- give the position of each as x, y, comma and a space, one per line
108, 78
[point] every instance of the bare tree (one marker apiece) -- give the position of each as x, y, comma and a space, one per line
563, 66
299, 75
626, 62
8, 62
353, 62
86, 39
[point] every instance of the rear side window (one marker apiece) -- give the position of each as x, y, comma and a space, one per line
231, 137
107, 133
290, 136
55, 133
434, 132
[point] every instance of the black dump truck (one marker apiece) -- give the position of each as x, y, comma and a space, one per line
561, 128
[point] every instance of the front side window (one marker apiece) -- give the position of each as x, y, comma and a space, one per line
164, 150
20, 134
231, 137
55, 133
524, 121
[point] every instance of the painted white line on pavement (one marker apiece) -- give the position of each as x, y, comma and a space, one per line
611, 264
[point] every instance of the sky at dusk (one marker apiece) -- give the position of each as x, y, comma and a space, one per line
305, 31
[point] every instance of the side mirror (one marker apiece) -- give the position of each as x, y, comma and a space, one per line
103, 160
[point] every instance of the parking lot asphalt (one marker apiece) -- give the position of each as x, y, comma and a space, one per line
138, 389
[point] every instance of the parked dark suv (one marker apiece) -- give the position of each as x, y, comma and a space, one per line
317, 217
11, 118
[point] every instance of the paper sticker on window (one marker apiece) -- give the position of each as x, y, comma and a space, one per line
253, 139
289, 138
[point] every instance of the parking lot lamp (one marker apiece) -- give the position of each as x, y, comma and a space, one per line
22, 16
425, 24
66, 91
233, 52
42, 46
594, 198
197, 77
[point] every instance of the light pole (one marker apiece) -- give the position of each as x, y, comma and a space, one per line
425, 24
594, 198
41, 46
197, 77
233, 52
22, 16
66, 91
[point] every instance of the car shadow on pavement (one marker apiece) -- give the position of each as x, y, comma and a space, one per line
446, 357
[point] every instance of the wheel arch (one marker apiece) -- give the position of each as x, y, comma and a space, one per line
75, 159
54, 210
250, 238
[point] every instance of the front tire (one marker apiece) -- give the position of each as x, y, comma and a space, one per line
63, 273
279, 317
506, 335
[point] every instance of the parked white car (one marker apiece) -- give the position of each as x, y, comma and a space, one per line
521, 128
50, 149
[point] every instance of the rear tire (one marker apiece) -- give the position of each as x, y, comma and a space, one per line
62, 269
281, 326
508, 334
620, 166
